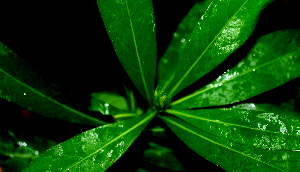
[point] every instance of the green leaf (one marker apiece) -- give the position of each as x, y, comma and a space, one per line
20, 85
222, 29
94, 150
232, 156
265, 130
131, 27
273, 61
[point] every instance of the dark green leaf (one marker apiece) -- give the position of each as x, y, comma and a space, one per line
94, 150
131, 27
20, 85
232, 156
130, 99
273, 61
265, 130
162, 156
222, 29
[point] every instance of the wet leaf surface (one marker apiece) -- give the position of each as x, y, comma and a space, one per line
94, 150
222, 29
231, 155
264, 130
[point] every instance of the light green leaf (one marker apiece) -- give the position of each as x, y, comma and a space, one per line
20, 85
108, 103
223, 28
265, 130
131, 27
273, 61
232, 156
94, 150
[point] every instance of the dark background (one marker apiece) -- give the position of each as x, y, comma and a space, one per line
66, 43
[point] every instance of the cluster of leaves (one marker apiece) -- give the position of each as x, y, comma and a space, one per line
251, 136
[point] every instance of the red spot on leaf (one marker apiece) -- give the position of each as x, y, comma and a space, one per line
25, 114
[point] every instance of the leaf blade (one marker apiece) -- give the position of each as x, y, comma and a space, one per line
222, 29
131, 28
87, 151
273, 61
15, 77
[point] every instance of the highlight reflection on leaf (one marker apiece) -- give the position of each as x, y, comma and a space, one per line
272, 62
265, 130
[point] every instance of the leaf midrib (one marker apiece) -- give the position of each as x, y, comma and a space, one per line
148, 97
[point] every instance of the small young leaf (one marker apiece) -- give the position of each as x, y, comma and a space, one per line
131, 27
20, 85
273, 61
232, 156
106, 103
224, 27
112, 104
94, 150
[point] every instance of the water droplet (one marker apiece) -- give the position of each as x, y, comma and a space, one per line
176, 35
110, 153
182, 40
253, 69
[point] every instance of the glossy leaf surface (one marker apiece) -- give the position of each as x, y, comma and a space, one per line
273, 61
265, 130
131, 27
222, 29
230, 155
94, 150
20, 85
